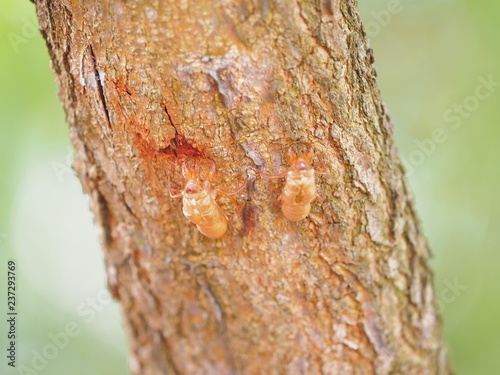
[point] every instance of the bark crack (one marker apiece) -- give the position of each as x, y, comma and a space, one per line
100, 87
169, 117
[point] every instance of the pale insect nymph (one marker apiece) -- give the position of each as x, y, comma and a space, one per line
198, 199
300, 186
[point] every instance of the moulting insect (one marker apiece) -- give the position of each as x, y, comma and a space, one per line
300, 187
198, 199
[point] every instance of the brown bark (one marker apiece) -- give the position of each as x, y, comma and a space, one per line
347, 290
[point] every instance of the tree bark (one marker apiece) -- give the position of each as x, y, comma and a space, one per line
347, 290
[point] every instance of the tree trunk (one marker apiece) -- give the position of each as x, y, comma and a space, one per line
145, 85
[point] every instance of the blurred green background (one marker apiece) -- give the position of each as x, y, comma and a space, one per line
438, 68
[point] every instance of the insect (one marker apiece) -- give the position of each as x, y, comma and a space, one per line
300, 187
198, 199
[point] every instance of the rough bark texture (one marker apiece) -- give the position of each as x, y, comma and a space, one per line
146, 83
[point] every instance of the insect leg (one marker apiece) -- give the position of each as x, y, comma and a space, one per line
236, 191
272, 177
188, 169
211, 173
172, 195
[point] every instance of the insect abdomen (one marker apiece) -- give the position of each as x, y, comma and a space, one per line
295, 212
207, 216
214, 226
297, 196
